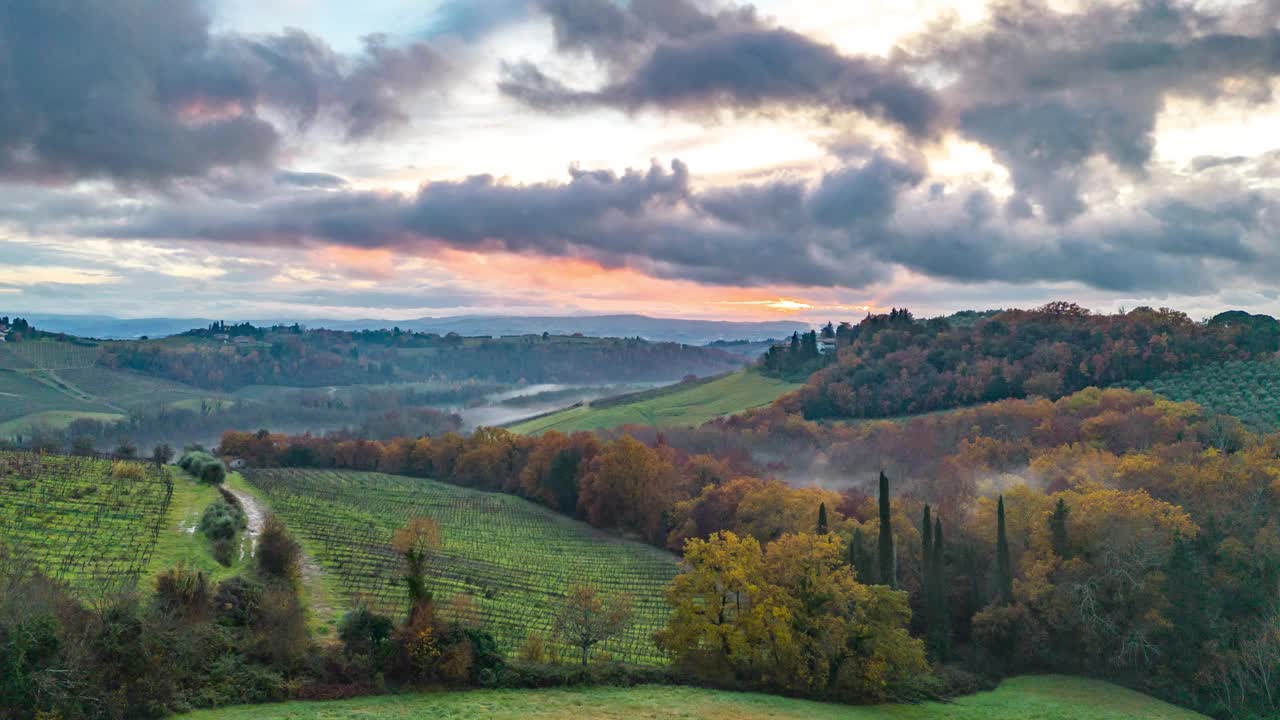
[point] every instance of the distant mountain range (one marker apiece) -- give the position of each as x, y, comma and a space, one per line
692, 332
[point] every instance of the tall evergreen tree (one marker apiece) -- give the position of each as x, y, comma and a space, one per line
1058, 530
888, 560
1185, 587
860, 559
926, 532
939, 612
822, 519
1004, 568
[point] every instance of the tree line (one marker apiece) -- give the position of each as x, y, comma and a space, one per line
214, 359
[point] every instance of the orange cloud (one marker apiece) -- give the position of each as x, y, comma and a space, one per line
580, 285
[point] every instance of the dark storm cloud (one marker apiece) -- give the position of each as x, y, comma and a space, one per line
1048, 92
141, 90
669, 54
849, 228
650, 220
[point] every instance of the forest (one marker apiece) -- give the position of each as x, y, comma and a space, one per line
893, 364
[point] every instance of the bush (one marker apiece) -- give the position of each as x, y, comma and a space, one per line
237, 601
224, 551
184, 591
127, 471
222, 520
364, 632
204, 467
278, 553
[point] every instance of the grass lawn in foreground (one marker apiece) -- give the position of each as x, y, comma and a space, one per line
1047, 697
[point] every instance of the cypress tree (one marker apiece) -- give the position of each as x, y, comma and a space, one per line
822, 519
888, 569
860, 560
1004, 569
938, 611
1185, 587
927, 533
1058, 530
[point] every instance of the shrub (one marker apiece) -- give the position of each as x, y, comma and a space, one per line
203, 467
280, 633
278, 553
224, 551
236, 601
127, 471
364, 632
184, 591
222, 520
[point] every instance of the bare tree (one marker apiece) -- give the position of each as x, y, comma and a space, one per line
587, 618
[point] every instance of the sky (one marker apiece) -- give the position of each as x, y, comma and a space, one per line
790, 159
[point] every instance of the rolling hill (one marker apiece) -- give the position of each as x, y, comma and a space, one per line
683, 404
1247, 390
514, 558
1049, 697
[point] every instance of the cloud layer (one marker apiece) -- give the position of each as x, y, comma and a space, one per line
143, 91
1066, 106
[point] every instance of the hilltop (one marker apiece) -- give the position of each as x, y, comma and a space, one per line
694, 332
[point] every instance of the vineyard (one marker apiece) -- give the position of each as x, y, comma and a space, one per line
513, 557
48, 355
1248, 390
93, 523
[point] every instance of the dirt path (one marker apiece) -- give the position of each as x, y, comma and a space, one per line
311, 570
257, 516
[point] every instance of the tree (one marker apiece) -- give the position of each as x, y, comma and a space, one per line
724, 612
1004, 568
926, 533
822, 519
629, 485
1058, 530
860, 559
416, 541
587, 618
162, 454
939, 613
888, 557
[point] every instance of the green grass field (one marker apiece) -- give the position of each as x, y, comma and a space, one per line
75, 520
673, 406
35, 397
129, 389
1248, 390
513, 557
1049, 697
28, 392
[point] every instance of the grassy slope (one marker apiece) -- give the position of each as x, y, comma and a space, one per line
676, 406
512, 556
179, 543
1026, 698
49, 384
